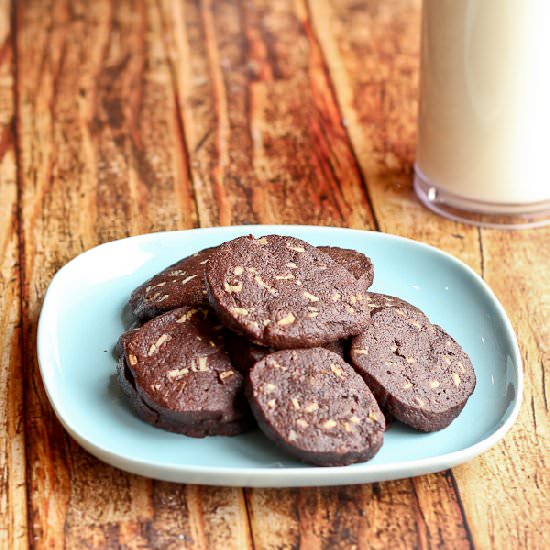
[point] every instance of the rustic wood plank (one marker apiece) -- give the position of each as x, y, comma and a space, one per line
260, 120
197, 517
13, 499
273, 518
373, 63
103, 156
378, 516
505, 491
110, 96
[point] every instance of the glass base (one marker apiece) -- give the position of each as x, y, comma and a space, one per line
483, 214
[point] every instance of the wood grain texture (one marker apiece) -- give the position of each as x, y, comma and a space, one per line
13, 504
119, 118
261, 122
102, 157
506, 491
372, 53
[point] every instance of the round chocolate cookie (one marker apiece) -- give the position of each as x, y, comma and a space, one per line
416, 371
244, 354
315, 406
181, 284
282, 292
359, 265
177, 375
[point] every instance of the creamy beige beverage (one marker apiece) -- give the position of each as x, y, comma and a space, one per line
484, 116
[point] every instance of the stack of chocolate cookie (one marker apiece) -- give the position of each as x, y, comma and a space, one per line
283, 334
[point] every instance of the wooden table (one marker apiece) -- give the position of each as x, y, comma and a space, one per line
119, 118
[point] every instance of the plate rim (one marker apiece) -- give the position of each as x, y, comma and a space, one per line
273, 476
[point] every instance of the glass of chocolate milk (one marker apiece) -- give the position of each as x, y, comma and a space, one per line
483, 152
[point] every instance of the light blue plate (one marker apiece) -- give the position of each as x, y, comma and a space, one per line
82, 318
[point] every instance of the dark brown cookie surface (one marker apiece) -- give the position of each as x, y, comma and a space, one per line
181, 284
282, 292
381, 301
417, 372
359, 265
177, 375
200, 427
244, 354
315, 406
117, 348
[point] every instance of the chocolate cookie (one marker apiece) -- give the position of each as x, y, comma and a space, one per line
177, 375
117, 348
416, 371
244, 354
282, 292
359, 265
315, 406
181, 284
381, 301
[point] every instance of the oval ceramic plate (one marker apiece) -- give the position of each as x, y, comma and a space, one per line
82, 318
